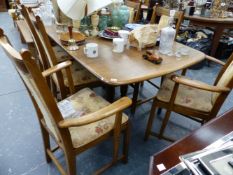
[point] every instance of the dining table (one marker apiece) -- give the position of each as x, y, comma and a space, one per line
129, 67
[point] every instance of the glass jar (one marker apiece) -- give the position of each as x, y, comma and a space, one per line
104, 19
120, 15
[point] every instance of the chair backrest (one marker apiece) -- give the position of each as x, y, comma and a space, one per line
26, 12
44, 47
224, 79
37, 88
136, 6
161, 11
52, 59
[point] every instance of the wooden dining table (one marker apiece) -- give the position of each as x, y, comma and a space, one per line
129, 67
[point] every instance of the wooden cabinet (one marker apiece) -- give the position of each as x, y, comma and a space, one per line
3, 6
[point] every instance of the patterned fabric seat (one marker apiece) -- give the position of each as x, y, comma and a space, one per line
84, 102
186, 96
81, 76
61, 55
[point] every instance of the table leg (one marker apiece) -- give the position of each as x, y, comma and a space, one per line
124, 90
110, 93
217, 35
135, 98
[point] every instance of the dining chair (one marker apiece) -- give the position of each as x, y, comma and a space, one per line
51, 56
136, 6
157, 12
190, 98
76, 123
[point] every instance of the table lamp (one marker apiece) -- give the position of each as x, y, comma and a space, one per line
77, 9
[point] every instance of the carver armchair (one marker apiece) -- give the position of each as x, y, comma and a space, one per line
193, 99
76, 123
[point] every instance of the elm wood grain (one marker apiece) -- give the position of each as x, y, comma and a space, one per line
25, 35
199, 84
220, 24
48, 57
24, 31
197, 140
42, 57
63, 65
222, 86
98, 115
127, 67
47, 110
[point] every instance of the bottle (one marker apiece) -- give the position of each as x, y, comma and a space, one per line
104, 15
167, 36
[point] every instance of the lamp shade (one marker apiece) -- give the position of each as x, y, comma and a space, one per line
75, 9
95, 5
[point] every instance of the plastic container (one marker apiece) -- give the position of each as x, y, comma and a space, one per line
167, 37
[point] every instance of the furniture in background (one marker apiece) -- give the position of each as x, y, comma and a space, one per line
160, 11
3, 7
137, 7
190, 98
219, 25
197, 140
90, 120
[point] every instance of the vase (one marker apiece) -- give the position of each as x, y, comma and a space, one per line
120, 16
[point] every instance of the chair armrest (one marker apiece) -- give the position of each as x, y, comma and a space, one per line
198, 84
105, 112
64, 65
56, 68
214, 60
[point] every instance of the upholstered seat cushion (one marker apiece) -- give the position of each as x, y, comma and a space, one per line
61, 55
187, 96
84, 102
80, 75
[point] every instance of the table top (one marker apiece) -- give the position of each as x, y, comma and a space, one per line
197, 140
129, 66
209, 20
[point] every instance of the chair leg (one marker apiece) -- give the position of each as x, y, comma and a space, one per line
71, 163
150, 121
164, 124
126, 138
46, 142
116, 143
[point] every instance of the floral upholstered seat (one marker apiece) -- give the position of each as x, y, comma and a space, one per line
84, 102
187, 96
61, 55
81, 76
